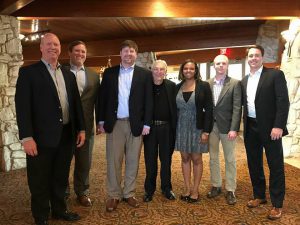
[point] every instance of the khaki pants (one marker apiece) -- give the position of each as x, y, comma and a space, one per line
229, 155
119, 143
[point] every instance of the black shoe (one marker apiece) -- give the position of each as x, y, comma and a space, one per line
214, 192
184, 198
41, 222
68, 216
169, 195
147, 197
230, 198
193, 200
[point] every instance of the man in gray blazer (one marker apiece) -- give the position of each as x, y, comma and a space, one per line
227, 96
88, 84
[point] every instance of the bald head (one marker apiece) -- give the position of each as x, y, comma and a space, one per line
50, 48
221, 65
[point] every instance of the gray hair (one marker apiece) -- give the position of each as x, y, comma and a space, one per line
159, 61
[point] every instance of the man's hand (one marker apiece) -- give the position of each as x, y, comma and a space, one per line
232, 135
204, 138
80, 139
99, 129
276, 133
146, 131
30, 147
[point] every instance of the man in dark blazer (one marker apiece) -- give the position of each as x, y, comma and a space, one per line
125, 114
266, 107
50, 121
227, 111
88, 86
161, 139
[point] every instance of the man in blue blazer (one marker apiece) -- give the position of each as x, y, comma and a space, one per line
266, 107
50, 121
125, 114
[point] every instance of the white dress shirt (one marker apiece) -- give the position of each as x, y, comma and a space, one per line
80, 77
252, 84
125, 80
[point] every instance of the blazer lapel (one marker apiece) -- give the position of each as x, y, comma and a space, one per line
49, 79
135, 78
224, 89
260, 82
87, 81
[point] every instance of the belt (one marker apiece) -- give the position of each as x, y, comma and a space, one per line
159, 122
252, 120
123, 119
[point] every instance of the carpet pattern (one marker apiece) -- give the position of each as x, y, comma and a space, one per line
15, 200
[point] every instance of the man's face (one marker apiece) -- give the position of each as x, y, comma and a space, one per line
78, 55
159, 72
50, 47
255, 58
221, 65
128, 56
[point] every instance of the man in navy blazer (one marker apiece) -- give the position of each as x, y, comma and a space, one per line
125, 114
51, 123
266, 107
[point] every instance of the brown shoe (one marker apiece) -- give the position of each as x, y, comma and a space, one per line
111, 204
275, 213
256, 202
84, 200
132, 201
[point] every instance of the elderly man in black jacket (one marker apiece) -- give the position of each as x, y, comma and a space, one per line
161, 139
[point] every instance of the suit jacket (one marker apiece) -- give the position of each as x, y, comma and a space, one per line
140, 99
271, 102
228, 110
89, 99
171, 94
38, 109
204, 105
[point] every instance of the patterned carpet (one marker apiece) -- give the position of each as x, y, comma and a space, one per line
15, 202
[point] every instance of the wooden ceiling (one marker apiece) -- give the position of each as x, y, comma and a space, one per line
155, 25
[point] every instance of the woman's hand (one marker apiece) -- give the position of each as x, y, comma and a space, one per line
204, 138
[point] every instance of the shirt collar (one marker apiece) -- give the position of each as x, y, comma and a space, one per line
221, 81
257, 73
49, 66
75, 68
126, 69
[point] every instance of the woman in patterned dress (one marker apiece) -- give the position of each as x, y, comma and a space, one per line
195, 117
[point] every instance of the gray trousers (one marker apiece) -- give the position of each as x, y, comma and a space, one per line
83, 161
122, 143
229, 155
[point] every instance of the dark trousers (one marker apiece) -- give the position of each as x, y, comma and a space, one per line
274, 153
158, 142
83, 161
47, 175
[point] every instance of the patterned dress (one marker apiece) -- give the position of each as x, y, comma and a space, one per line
187, 135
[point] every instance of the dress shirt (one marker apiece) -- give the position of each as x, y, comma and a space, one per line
218, 85
60, 85
80, 77
125, 80
252, 84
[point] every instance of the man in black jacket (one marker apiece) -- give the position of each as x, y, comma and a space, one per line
266, 107
161, 139
49, 117
125, 114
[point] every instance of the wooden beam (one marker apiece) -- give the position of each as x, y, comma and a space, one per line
8, 7
263, 9
234, 36
200, 56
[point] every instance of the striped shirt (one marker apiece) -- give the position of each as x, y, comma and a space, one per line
218, 85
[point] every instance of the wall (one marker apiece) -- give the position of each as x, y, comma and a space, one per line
11, 155
291, 67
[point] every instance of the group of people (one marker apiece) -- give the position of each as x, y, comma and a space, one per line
55, 107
